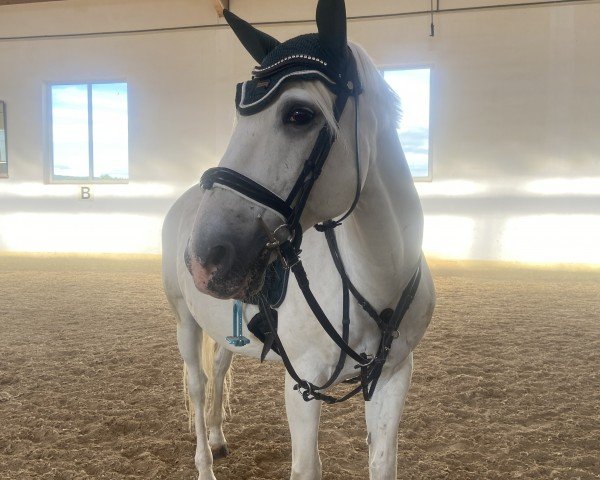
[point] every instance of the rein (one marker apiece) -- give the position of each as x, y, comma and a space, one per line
388, 322
290, 211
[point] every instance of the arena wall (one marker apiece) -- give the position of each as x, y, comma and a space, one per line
515, 117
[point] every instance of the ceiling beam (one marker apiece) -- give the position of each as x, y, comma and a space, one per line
220, 5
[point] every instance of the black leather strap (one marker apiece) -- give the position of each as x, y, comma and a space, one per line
370, 369
314, 165
302, 279
246, 187
337, 260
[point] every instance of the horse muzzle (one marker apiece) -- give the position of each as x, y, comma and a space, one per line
224, 268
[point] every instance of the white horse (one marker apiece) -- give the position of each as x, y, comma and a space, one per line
213, 244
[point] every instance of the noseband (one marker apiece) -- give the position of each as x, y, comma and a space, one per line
290, 210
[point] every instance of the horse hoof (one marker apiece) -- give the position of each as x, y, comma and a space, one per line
220, 452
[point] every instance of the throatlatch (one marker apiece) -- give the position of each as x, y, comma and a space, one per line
327, 58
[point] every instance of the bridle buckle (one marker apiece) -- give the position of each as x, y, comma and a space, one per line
306, 391
273, 242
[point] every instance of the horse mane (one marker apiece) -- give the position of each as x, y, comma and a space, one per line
379, 103
382, 103
379, 96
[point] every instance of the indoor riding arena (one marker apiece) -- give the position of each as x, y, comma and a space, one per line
111, 109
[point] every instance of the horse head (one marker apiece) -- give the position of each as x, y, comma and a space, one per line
289, 116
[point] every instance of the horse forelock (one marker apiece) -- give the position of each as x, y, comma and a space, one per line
323, 101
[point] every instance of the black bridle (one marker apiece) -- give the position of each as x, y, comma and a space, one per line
290, 210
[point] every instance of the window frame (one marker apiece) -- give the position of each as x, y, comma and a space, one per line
420, 66
49, 174
3, 117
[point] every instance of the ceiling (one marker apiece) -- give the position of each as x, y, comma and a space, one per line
219, 4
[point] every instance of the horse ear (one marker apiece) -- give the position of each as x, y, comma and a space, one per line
257, 43
331, 22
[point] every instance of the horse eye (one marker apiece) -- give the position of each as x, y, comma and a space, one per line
299, 116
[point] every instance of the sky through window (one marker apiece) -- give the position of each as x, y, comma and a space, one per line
90, 132
413, 88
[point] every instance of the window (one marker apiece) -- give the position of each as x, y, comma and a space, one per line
3, 152
89, 132
413, 87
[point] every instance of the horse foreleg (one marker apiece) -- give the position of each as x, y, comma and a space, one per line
303, 420
383, 414
189, 340
216, 410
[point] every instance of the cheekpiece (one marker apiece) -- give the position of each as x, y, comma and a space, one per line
300, 58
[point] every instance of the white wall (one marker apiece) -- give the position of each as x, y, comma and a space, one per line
515, 118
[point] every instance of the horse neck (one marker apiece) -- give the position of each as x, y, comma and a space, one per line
380, 242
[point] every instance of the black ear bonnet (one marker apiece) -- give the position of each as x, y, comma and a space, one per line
311, 56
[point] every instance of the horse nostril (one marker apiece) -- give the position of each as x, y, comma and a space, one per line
219, 256
216, 255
